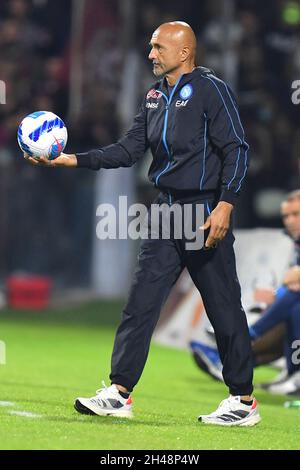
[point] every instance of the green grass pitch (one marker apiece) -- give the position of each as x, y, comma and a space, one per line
54, 356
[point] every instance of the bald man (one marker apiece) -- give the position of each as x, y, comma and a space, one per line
189, 120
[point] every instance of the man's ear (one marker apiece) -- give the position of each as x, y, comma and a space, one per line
185, 52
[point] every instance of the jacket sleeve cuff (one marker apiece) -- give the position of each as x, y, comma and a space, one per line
229, 196
91, 160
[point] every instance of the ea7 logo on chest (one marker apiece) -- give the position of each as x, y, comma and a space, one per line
180, 103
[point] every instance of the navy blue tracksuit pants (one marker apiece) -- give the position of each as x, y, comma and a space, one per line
285, 309
213, 271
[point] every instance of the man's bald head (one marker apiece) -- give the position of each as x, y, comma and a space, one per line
180, 33
173, 47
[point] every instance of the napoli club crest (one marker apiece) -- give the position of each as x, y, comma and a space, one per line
186, 92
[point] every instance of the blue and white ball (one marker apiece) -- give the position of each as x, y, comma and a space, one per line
42, 134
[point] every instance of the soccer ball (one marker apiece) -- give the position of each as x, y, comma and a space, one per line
42, 134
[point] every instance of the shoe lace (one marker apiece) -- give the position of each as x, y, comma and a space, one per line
104, 388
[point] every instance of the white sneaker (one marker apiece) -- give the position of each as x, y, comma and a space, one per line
231, 412
290, 386
106, 402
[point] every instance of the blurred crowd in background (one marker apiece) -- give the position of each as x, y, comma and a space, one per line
47, 217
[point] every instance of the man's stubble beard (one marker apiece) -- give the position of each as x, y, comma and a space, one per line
163, 73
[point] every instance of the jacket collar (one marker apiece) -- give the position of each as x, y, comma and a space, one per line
185, 78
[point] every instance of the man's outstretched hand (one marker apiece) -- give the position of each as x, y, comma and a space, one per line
64, 160
218, 223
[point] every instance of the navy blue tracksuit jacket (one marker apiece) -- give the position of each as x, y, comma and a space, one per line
195, 136
199, 154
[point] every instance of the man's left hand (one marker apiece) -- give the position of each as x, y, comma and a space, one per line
218, 222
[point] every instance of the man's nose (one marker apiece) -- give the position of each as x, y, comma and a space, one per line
151, 55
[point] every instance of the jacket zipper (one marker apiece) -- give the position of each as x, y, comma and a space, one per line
168, 102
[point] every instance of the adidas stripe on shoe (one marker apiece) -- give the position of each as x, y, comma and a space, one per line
106, 402
231, 412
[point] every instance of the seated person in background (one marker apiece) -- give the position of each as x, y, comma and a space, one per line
279, 327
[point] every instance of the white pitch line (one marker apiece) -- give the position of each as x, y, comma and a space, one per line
7, 403
25, 414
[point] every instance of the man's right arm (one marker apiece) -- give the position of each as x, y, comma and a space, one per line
124, 153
